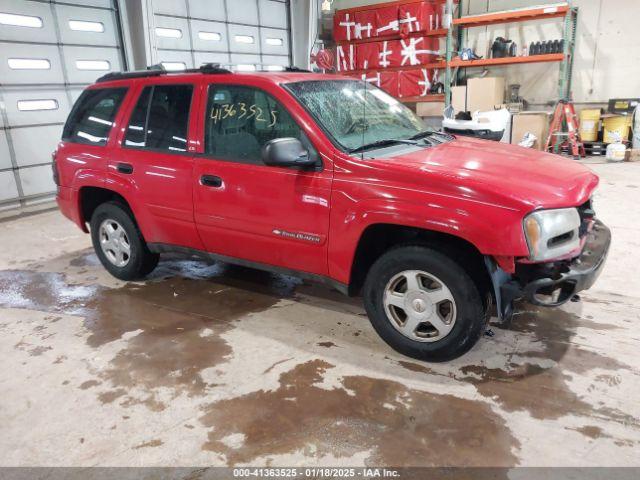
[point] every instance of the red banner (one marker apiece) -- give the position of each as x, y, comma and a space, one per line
387, 21
344, 26
418, 50
345, 58
368, 55
389, 55
365, 25
416, 83
415, 17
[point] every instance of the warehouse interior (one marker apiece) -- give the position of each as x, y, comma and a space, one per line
211, 366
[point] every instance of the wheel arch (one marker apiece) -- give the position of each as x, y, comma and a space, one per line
378, 238
90, 197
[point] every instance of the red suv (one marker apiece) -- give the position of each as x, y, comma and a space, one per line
330, 179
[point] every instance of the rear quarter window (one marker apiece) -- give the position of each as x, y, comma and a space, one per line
91, 118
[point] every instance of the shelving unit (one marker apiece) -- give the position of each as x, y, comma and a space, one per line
519, 15
544, 12
487, 62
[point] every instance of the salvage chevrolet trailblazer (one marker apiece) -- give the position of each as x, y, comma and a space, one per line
330, 179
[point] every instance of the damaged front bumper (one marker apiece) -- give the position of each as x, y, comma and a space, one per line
553, 284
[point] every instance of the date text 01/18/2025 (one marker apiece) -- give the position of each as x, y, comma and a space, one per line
316, 472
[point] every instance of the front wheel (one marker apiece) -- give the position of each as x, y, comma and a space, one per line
423, 304
119, 244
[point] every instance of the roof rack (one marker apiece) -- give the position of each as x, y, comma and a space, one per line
159, 69
297, 69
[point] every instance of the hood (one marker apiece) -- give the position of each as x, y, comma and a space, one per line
499, 173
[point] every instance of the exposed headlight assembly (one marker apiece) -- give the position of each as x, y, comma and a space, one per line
552, 233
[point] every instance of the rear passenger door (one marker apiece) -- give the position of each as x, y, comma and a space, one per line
155, 160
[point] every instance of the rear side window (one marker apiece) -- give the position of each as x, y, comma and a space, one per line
160, 120
92, 116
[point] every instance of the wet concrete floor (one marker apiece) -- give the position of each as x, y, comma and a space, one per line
210, 364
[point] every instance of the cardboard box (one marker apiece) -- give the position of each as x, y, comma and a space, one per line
530, 122
459, 98
429, 109
484, 93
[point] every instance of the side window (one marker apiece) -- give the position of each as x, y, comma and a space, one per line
92, 116
160, 120
240, 120
136, 132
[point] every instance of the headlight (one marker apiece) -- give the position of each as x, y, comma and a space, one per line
552, 233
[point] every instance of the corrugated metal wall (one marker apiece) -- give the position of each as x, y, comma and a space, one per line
49, 51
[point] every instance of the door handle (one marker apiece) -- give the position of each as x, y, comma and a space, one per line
211, 181
125, 168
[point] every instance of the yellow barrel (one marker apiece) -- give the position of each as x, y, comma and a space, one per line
589, 124
616, 128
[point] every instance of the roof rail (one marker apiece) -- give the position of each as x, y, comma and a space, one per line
297, 69
159, 69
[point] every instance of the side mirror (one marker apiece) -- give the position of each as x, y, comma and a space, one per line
286, 152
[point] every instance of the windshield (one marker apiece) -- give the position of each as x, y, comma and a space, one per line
356, 114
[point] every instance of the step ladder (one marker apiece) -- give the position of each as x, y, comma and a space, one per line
564, 133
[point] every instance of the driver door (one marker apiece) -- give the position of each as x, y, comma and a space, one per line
246, 210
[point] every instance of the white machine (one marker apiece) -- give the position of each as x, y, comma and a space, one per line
491, 125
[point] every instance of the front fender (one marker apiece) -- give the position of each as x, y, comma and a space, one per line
493, 230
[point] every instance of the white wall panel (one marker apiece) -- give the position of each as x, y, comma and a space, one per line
30, 152
245, 11
172, 25
11, 52
8, 189
211, 57
5, 158
237, 32
31, 107
202, 34
273, 60
170, 7
45, 34
92, 17
89, 3
247, 30
71, 54
208, 9
172, 56
273, 14
80, 63
245, 59
36, 180
270, 37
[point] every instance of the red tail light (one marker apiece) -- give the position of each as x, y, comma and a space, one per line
54, 168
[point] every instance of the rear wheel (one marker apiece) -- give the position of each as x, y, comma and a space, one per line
423, 304
119, 244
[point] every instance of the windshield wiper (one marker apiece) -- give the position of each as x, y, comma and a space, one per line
432, 133
382, 143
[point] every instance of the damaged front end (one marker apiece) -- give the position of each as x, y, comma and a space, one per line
555, 281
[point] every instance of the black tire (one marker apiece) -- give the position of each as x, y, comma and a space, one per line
470, 309
141, 261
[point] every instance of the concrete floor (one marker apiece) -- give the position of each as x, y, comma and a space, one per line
216, 365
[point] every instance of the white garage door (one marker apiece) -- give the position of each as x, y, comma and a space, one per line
243, 34
49, 51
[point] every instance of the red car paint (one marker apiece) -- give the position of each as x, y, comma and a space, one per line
311, 221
